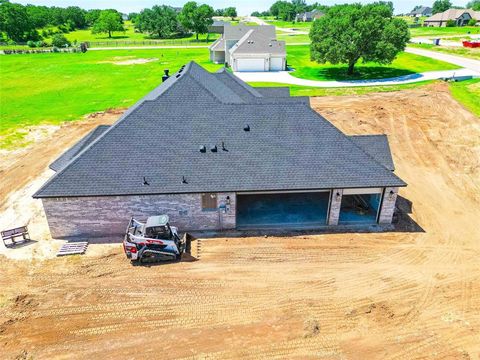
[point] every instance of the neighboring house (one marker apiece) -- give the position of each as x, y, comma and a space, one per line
421, 11
213, 153
461, 17
249, 48
309, 16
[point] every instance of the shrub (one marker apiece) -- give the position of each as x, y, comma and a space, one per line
472, 22
60, 41
451, 23
31, 44
40, 44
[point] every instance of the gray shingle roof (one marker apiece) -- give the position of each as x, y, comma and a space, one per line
76, 149
377, 147
289, 146
236, 32
280, 91
254, 42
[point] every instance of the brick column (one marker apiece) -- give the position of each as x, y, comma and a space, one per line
335, 203
388, 205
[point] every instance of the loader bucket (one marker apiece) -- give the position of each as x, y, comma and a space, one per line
191, 248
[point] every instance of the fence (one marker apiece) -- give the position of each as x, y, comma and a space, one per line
172, 42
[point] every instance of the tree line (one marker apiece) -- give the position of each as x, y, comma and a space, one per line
20, 23
287, 10
165, 21
443, 5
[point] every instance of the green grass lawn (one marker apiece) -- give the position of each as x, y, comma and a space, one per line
460, 51
468, 94
52, 88
291, 25
444, 31
293, 39
296, 90
128, 35
405, 64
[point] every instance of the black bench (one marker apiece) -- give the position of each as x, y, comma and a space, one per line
14, 233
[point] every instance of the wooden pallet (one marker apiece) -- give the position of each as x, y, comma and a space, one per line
73, 248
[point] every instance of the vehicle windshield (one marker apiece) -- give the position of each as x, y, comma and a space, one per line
158, 232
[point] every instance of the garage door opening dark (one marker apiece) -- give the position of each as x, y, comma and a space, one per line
285, 210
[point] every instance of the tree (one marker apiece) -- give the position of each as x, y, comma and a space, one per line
474, 5
196, 18
299, 6
160, 20
108, 22
91, 16
231, 12
348, 33
14, 21
75, 16
440, 6
59, 40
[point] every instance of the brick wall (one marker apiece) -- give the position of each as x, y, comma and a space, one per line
108, 216
388, 205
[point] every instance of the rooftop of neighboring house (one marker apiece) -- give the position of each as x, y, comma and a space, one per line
254, 42
211, 132
453, 14
236, 32
421, 11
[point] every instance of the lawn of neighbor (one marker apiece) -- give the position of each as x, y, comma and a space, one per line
52, 88
405, 64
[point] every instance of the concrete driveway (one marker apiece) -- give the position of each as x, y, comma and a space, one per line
470, 68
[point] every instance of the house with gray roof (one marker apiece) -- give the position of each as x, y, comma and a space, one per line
249, 48
309, 16
213, 153
421, 11
460, 17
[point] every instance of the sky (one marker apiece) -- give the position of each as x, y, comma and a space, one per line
244, 7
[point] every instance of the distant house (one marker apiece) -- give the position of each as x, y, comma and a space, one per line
421, 11
309, 16
214, 153
249, 48
461, 17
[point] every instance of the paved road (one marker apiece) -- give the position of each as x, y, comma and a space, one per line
286, 30
284, 77
470, 64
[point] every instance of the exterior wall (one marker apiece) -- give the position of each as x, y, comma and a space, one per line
108, 216
217, 57
335, 204
388, 205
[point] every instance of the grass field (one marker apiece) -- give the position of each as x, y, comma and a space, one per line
128, 35
293, 39
468, 94
299, 59
289, 24
444, 31
460, 51
296, 90
52, 88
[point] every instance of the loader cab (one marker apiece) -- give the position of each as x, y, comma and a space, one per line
157, 227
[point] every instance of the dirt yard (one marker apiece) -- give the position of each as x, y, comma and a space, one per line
398, 295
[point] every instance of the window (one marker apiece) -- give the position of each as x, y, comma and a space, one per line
209, 202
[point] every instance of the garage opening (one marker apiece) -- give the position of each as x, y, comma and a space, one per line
285, 210
359, 209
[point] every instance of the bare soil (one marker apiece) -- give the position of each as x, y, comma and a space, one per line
397, 295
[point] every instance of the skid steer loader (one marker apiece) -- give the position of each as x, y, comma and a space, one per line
155, 240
